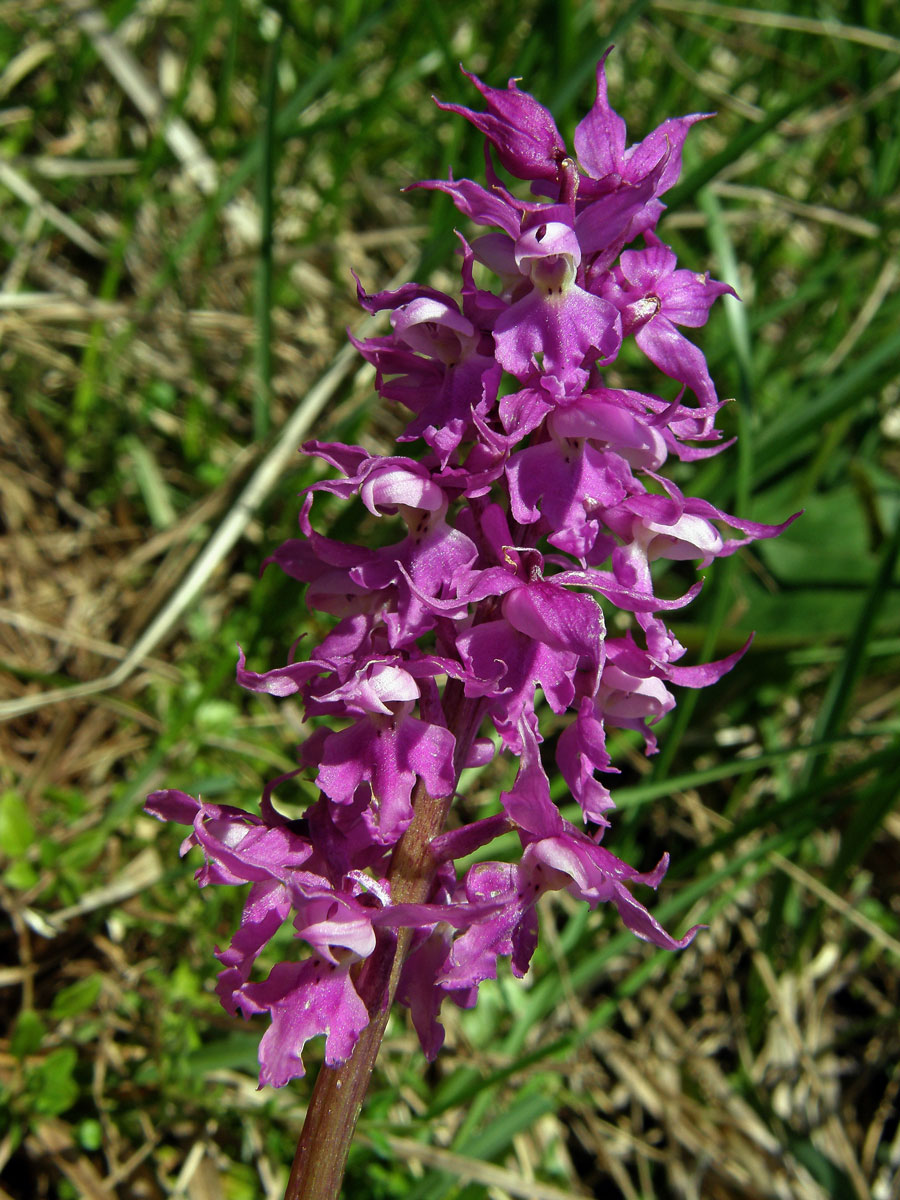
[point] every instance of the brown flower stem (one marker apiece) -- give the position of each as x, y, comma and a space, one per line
337, 1098
338, 1095
339, 1092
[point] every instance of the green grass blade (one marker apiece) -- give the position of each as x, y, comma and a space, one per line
845, 679
262, 398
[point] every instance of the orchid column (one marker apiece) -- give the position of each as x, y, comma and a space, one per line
534, 504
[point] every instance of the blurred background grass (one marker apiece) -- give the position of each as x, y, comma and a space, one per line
184, 189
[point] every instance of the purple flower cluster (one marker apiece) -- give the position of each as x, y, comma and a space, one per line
536, 503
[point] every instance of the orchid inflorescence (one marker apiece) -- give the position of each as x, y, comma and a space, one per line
536, 504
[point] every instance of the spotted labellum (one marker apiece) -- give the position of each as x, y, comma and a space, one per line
532, 511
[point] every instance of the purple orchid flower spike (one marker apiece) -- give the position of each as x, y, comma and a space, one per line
531, 514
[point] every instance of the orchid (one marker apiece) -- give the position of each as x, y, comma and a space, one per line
528, 516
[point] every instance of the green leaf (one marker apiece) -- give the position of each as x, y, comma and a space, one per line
16, 828
781, 443
836, 1182
235, 1052
748, 138
152, 483
77, 998
28, 1034
20, 876
52, 1084
90, 1134
85, 850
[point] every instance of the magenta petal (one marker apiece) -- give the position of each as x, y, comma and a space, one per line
703, 676
561, 620
265, 911
561, 328
669, 136
242, 848
388, 754
476, 203
172, 805
600, 136
645, 926
379, 301
458, 843
281, 681
326, 919
604, 225
624, 596
687, 297
528, 804
644, 271
580, 753
304, 999
600, 143
625, 698
505, 665
419, 991
473, 956
676, 357
566, 483
754, 530
590, 416
522, 412
400, 482
521, 130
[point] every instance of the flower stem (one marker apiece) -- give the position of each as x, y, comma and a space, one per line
337, 1098
339, 1091
334, 1108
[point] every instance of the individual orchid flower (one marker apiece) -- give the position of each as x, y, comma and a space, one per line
556, 319
654, 298
600, 144
434, 363
520, 129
